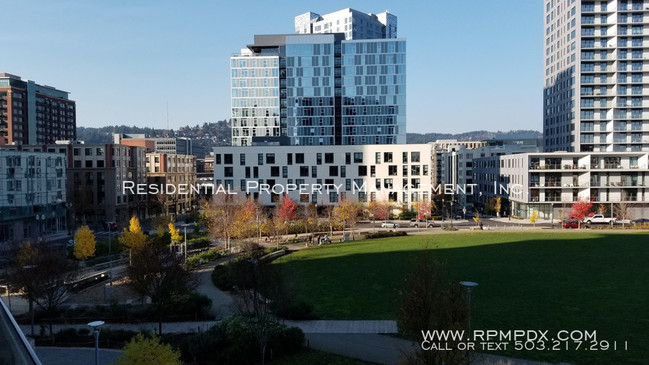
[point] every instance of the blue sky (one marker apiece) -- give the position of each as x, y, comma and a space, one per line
471, 64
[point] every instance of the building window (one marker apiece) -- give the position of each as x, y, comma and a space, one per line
304, 171
358, 157
270, 158
387, 156
318, 158
299, 158
242, 159
227, 159
329, 158
314, 171
274, 171
228, 171
362, 170
260, 159
333, 170
392, 170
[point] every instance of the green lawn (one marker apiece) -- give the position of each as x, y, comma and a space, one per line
553, 281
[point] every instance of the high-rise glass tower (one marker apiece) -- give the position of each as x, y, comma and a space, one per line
596, 94
319, 89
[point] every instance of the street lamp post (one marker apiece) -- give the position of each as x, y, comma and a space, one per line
552, 215
95, 326
442, 209
451, 213
39, 221
68, 215
110, 259
31, 301
468, 285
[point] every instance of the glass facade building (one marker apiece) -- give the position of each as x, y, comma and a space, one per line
596, 95
255, 97
319, 89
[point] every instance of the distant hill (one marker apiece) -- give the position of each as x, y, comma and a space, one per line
471, 136
204, 136
213, 134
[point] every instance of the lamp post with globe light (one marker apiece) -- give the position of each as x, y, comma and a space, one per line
95, 326
468, 285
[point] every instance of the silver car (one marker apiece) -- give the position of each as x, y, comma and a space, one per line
389, 225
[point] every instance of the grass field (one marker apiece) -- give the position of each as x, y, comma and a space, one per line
547, 281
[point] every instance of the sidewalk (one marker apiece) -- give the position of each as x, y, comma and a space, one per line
75, 355
332, 327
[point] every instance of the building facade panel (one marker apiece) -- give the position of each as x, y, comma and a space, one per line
397, 173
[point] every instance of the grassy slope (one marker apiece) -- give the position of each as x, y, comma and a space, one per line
585, 281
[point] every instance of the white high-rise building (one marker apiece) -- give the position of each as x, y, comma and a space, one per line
596, 89
353, 23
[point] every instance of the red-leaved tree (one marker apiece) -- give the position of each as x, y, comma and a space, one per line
287, 209
580, 210
285, 212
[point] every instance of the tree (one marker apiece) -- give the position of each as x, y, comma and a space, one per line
621, 208
496, 205
430, 301
133, 238
287, 209
310, 218
84, 243
423, 209
285, 213
580, 210
245, 220
158, 273
175, 234
378, 210
478, 219
42, 273
143, 350
602, 209
534, 217
346, 212
221, 215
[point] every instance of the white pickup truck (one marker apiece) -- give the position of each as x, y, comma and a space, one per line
599, 219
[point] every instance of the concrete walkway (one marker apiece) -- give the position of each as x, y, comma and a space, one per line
333, 327
222, 302
76, 355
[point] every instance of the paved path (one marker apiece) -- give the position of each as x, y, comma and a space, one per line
375, 348
356, 327
222, 302
306, 326
75, 355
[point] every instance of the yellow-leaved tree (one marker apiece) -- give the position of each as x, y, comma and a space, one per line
84, 243
143, 350
175, 234
534, 217
133, 237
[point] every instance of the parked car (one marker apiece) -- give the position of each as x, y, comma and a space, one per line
389, 225
418, 223
599, 219
571, 223
640, 221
